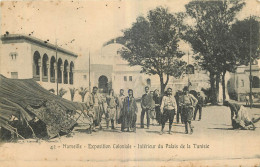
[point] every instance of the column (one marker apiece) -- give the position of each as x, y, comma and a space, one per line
68, 74
48, 72
40, 69
56, 72
61, 75
72, 74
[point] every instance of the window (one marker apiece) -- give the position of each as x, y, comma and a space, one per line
242, 83
14, 75
130, 78
148, 82
190, 69
13, 55
125, 78
85, 77
255, 82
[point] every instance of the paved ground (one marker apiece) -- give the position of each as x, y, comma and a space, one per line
219, 145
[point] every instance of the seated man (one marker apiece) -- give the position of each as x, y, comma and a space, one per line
240, 118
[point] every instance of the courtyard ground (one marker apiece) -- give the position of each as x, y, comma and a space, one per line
213, 143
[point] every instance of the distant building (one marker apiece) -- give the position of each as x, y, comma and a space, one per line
24, 57
108, 70
239, 84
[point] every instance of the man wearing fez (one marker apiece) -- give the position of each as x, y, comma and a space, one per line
96, 104
187, 103
146, 105
168, 108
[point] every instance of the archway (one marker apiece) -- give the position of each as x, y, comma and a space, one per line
255, 82
45, 68
36, 65
52, 69
103, 84
65, 75
71, 72
59, 70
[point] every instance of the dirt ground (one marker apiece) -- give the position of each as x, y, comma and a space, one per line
213, 143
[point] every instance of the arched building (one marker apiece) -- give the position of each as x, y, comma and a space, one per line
109, 70
24, 57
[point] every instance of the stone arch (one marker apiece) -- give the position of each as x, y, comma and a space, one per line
52, 69
45, 67
190, 69
71, 73
36, 65
103, 84
65, 73
255, 82
60, 68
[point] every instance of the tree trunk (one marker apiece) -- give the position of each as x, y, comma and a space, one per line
217, 86
162, 84
224, 86
212, 97
82, 98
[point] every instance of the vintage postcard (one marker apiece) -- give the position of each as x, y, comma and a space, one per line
129, 83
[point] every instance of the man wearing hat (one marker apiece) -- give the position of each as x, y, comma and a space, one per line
187, 103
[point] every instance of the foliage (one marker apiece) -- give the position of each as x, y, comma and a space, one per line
82, 92
241, 33
62, 92
152, 43
211, 38
52, 90
72, 93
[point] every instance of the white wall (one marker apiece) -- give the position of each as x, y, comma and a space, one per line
22, 64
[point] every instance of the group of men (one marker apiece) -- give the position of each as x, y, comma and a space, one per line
122, 109
183, 104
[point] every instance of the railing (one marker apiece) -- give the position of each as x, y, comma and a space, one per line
52, 79
36, 77
45, 78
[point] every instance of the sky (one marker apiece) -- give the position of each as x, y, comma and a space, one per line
85, 25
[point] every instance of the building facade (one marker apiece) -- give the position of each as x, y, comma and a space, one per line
239, 84
108, 70
24, 57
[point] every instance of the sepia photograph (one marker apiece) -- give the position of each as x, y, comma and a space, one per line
129, 83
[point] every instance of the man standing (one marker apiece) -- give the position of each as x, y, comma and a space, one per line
129, 112
187, 104
146, 105
120, 100
198, 106
168, 108
96, 104
111, 108
177, 96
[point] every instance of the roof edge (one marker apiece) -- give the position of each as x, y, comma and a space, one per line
37, 41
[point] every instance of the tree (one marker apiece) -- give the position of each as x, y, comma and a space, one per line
83, 92
209, 36
62, 92
72, 93
241, 33
152, 43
